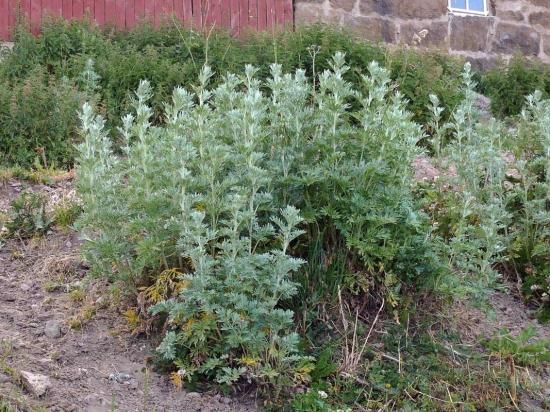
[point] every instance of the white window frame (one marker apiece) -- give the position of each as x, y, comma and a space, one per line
467, 10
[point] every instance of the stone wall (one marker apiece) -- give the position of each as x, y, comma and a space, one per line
512, 25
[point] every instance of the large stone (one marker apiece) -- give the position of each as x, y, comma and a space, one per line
35, 383
540, 3
510, 15
511, 38
470, 33
346, 5
311, 13
52, 329
541, 18
372, 28
307, 13
433, 34
410, 9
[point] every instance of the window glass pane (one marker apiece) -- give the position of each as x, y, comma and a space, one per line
477, 5
458, 4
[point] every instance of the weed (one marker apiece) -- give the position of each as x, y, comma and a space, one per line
43, 80
85, 315
521, 349
28, 216
66, 213
77, 295
509, 84
132, 318
515, 351
52, 286
37, 121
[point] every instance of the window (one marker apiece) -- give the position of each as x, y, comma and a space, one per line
469, 6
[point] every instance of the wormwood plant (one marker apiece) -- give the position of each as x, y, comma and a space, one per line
497, 197
193, 195
530, 249
207, 195
353, 180
477, 198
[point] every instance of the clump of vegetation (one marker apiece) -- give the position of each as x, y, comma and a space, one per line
508, 84
511, 352
66, 213
28, 216
530, 202
37, 120
207, 194
520, 349
271, 218
82, 318
44, 80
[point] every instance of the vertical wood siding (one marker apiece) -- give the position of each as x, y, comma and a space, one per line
238, 16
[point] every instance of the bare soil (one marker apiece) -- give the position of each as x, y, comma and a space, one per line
98, 367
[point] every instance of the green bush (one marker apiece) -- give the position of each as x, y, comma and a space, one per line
508, 85
172, 56
530, 202
28, 217
206, 194
496, 220
38, 122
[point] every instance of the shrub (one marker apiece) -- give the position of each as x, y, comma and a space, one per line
479, 199
498, 210
530, 203
208, 214
508, 86
172, 56
419, 74
38, 123
206, 194
28, 216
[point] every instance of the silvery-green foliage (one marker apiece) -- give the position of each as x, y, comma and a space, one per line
479, 197
358, 178
215, 191
531, 227
194, 195
89, 79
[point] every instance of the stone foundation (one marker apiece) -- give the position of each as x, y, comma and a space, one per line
513, 26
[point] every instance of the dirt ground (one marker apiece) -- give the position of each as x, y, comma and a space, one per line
99, 367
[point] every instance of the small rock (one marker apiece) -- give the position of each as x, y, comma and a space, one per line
4, 378
225, 400
193, 395
25, 287
35, 383
97, 403
100, 301
52, 329
133, 384
77, 284
119, 377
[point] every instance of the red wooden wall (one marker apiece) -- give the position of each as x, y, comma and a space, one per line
235, 15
